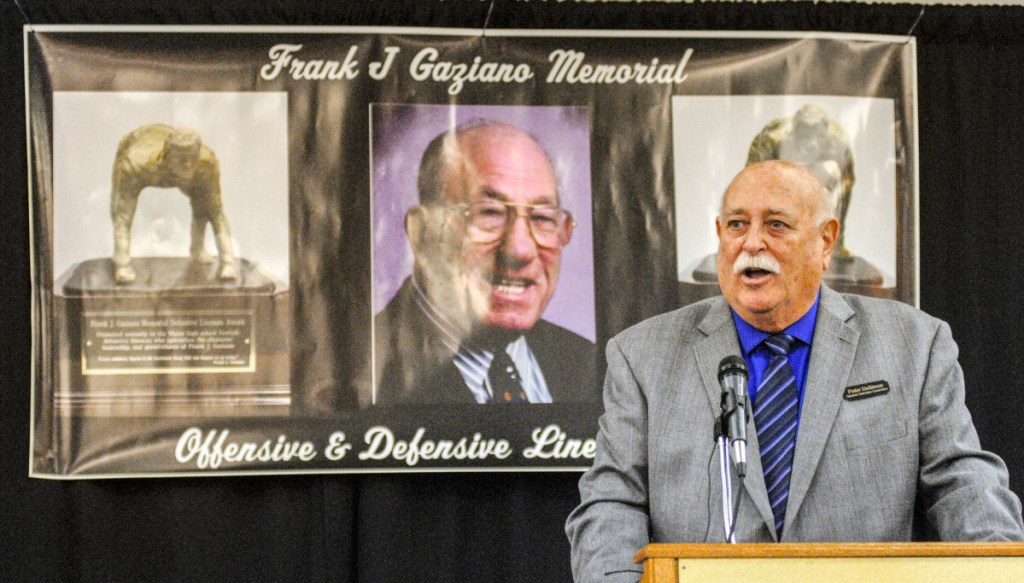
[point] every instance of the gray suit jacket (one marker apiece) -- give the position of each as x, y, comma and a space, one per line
861, 467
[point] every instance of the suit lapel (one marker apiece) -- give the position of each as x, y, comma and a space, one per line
832, 353
721, 341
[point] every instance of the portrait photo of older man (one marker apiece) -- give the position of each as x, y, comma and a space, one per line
487, 234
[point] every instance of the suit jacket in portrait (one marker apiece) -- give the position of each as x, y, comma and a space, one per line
413, 365
861, 467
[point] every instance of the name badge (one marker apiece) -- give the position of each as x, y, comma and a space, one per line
866, 391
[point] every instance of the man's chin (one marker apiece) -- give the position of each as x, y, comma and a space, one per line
510, 322
757, 303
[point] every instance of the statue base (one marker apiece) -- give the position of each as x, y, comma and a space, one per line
176, 342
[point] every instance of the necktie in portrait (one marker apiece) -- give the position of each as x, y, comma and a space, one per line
506, 385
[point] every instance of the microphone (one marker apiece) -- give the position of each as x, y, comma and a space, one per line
732, 374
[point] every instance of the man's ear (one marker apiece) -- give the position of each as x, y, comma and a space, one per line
829, 234
718, 227
415, 227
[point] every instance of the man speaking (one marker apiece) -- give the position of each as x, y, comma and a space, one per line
858, 418
487, 238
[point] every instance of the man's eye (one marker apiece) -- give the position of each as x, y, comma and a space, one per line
491, 211
543, 218
735, 224
777, 224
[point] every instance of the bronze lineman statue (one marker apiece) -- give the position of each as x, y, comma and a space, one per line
817, 143
165, 157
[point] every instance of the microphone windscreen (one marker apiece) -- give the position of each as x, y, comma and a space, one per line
732, 364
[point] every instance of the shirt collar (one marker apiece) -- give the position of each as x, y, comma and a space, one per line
802, 329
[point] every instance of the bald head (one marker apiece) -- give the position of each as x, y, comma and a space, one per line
448, 161
788, 177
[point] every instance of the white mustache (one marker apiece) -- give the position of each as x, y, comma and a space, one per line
747, 261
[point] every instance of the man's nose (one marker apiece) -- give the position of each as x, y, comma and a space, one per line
518, 241
753, 240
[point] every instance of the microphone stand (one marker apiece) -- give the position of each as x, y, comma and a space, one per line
726, 474
729, 431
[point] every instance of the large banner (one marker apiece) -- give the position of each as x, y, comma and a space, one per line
280, 250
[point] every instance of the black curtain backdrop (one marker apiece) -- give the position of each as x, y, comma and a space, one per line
499, 527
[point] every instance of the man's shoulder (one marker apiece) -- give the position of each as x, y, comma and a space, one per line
672, 323
873, 309
398, 306
549, 334
883, 321
403, 334
568, 362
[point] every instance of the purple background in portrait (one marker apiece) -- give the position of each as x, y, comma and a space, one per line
400, 133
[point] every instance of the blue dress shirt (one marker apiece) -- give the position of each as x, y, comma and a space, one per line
757, 355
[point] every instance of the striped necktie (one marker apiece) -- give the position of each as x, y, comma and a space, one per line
506, 386
775, 415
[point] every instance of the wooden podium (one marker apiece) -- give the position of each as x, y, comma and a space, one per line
832, 562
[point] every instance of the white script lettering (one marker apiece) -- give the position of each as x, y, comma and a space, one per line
570, 67
214, 449
380, 70
336, 446
553, 443
425, 66
381, 444
282, 58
